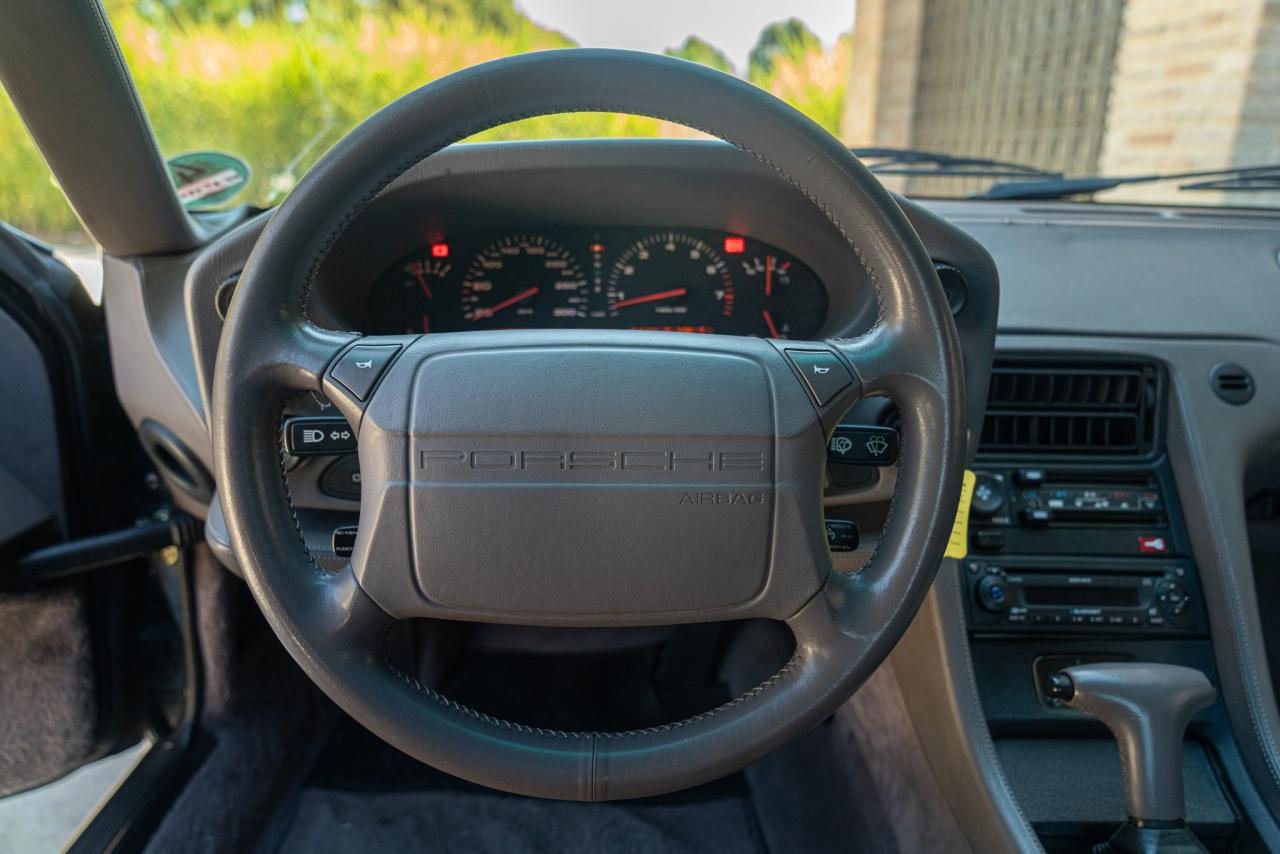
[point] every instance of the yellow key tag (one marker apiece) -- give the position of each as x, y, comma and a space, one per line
958, 545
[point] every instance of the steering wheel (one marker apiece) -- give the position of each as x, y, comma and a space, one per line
587, 478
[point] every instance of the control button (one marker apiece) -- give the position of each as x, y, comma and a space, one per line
973, 567
1155, 621
825, 374
988, 496
875, 446
1172, 597
988, 541
993, 594
1153, 545
309, 436
842, 535
1030, 477
359, 368
342, 478
1037, 518
344, 540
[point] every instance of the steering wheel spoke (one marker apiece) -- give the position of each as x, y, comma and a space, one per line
293, 356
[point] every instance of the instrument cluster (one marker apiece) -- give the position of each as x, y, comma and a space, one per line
682, 280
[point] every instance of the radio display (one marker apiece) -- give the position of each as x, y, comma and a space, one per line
1072, 595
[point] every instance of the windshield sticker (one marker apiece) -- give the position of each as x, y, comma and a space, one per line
205, 179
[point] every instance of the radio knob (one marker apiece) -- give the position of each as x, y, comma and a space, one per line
988, 496
993, 594
1172, 597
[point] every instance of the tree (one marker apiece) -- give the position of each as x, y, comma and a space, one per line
789, 39
695, 49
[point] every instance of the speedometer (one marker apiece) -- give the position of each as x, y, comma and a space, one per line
670, 281
523, 280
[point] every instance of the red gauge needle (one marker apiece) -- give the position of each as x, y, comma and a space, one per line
481, 313
422, 280
768, 278
768, 319
660, 295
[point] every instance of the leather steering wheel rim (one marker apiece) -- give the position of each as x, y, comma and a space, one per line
271, 349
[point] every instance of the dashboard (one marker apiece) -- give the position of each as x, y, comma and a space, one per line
1086, 283
654, 278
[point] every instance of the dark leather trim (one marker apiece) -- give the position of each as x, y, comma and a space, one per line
335, 631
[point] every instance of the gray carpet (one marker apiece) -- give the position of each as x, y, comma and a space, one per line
478, 823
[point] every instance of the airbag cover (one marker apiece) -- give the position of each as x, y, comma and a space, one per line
591, 480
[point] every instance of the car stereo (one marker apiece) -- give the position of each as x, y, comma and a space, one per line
1129, 596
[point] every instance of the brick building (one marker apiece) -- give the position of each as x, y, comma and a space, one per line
1077, 86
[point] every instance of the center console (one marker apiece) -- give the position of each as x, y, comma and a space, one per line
1079, 556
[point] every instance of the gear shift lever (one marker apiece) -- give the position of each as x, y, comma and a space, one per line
1147, 708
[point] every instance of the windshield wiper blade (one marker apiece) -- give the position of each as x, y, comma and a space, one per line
921, 163
1264, 177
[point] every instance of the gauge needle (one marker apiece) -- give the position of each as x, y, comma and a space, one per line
660, 295
481, 313
422, 280
768, 319
768, 278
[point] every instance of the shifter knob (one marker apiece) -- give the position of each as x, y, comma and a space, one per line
1147, 708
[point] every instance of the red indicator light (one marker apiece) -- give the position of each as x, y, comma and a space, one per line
734, 245
439, 250
597, 248
1153, 545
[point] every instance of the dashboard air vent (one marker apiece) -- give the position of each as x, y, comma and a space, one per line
1060, 408
1232, 383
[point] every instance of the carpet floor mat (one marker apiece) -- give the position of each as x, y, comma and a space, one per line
365, 796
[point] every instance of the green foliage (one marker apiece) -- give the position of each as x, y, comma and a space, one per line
278, 88
695, 49
789, 39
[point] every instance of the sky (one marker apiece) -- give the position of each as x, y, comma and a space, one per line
731, 25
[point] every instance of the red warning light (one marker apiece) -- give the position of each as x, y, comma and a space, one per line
734, 245
439, 250
597, 248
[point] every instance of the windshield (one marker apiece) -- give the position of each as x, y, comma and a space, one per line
1049, 90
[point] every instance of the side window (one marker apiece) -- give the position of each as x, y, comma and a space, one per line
32, 202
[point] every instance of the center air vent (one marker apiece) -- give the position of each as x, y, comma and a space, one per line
1061, 408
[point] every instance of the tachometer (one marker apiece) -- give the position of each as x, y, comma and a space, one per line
670, 281
524, 281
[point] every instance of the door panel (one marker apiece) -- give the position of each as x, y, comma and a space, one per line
63, 698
